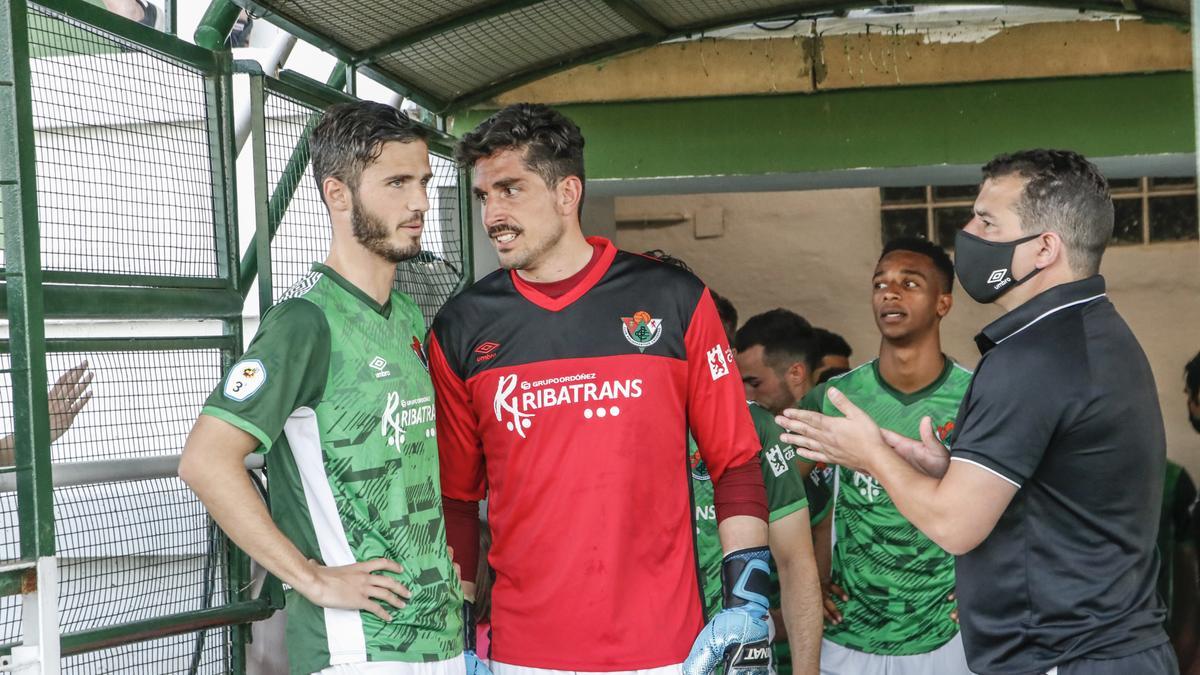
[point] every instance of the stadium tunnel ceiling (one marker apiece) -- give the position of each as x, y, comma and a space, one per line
451, 54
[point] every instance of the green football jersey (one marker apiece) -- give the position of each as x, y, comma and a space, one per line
785, 495
897, 579
335, 388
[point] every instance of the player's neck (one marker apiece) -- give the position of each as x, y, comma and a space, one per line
912, 366
368, 272
571, 254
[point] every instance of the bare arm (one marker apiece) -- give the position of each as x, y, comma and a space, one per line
800, 589
740, 532
67, 397
213, 466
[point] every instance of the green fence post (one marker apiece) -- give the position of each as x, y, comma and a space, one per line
216, 23
23, 281
285, 188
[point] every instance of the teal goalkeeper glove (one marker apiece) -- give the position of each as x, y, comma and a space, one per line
740, 634
475, 666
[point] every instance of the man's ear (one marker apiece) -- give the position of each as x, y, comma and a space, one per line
797, 375
944, 304
1050, 249
338, 196
569, 192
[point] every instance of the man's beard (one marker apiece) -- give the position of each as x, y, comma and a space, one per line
374, 235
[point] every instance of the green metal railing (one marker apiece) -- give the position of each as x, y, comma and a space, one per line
148, 233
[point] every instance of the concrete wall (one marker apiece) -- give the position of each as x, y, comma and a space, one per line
813, 252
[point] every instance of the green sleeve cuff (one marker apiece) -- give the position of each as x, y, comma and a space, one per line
248, 427
788, 509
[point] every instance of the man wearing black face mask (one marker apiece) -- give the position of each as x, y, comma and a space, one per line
1055, 475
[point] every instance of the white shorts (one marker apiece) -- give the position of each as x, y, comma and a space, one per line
506, 669
454, 666
949, 659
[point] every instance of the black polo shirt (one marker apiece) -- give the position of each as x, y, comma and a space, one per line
1063, 406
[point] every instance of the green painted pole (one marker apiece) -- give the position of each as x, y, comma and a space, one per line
23, 281
285, 189
216, 23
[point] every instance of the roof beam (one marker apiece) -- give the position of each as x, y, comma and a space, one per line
639, 17
447, 24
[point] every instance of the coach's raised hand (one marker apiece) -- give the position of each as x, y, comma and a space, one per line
851, 441
740, 634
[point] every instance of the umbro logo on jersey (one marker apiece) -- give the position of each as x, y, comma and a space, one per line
641, 329
486, 351
379, 365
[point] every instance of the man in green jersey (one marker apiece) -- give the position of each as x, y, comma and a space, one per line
786, 337
890, 610
335, 391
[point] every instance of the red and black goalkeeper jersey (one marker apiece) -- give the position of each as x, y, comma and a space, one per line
571, 414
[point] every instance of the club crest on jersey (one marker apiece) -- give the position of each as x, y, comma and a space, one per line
420, 351
943, 433
245, 379
641, 330
699, 468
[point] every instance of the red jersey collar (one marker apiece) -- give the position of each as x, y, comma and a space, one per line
531, 293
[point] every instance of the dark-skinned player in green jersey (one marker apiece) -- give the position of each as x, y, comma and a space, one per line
889, 593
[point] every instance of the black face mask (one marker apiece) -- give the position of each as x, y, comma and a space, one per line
985, 267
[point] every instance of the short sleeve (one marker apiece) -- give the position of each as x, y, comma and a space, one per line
1003, 426
284, 368
783, 481
716, 398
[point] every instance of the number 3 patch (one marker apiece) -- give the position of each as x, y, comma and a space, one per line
245, 379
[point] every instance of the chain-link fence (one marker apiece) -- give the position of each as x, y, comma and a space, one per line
130, 148
124, 163
128, 550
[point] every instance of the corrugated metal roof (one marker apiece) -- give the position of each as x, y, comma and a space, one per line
450, 54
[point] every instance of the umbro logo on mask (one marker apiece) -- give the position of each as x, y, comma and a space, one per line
998, 276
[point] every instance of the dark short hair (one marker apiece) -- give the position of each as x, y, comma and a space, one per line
1191, 376
785, 336
551, 144
725, 308
921, 246
1066, 194
349, 136
830, 343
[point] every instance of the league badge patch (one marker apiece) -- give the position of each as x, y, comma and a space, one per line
641, 330
245, 379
